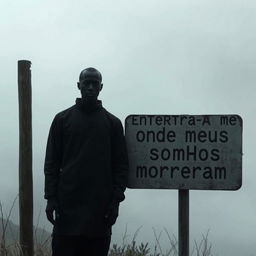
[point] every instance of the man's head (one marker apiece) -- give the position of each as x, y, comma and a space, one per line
90, 84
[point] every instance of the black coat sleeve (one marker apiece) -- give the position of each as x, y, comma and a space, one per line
119, 162
52, 163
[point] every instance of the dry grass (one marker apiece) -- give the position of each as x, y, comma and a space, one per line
42, 247
203, 248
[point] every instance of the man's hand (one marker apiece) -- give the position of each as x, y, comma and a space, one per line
112, 213
51, 206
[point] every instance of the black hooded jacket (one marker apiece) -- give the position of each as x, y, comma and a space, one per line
85, 168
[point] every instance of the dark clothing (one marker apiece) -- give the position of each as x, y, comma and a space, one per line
80, 246
85, 168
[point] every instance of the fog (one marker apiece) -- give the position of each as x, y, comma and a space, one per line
156, 57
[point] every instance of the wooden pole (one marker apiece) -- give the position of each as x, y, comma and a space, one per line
25, 158
183, 222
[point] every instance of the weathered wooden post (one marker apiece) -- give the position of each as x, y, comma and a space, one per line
25, 158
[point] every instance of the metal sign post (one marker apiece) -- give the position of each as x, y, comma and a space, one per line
183, 222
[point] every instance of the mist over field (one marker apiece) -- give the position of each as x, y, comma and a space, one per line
156, 57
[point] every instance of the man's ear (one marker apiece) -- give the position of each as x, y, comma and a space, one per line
78, 85
101, 86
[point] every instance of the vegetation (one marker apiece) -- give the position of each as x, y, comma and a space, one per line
9, 246
203, 248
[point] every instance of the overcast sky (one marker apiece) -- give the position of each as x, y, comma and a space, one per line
156, 57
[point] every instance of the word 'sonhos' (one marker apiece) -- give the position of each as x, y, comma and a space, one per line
185, 154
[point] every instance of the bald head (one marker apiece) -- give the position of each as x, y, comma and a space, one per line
90, 74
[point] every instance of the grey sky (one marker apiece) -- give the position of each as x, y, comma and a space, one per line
156, 57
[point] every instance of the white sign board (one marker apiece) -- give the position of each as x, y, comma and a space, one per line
184, 151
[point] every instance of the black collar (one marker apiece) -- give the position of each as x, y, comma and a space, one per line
88, 106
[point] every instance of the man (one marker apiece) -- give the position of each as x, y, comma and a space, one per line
85, 173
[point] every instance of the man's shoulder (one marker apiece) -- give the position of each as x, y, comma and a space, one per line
112, 117
64, 112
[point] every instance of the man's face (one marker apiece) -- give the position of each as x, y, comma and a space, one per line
90, 89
